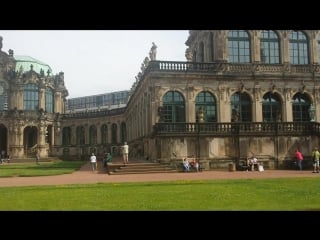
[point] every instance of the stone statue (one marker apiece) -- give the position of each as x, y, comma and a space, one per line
153, 52
142, 68
235, 115
200, 114
188, 55
146, 62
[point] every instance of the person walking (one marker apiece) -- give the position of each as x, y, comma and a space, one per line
125, 153
93, 162
299, 157
315, 158
37, 158
107, 158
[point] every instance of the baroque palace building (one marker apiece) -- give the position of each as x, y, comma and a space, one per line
239, 93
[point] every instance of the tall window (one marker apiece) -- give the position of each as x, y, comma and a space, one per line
66, 136
241, 107
211, 48
123, 130
269, 47
93, 135
30, 97
319, 49
201, 52
239, 47
104, 134
298, 48
80, 135
49, 100
271, 107
3, 98
114, 129
207, 102
173, 107
300, 106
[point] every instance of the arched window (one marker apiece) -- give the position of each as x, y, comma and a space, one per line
123, 130
241, 107
30, 97
239, 47
173, 107
207, 102
269, 47
66, 136
300, 106
298, 48
93, 135
49, 100
104, 134
114, 130
271, 107
80, 135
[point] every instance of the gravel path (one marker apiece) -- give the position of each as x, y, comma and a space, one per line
84, 176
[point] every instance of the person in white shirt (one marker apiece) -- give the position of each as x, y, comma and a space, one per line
186, 165
253, 163
125, 153
93, 162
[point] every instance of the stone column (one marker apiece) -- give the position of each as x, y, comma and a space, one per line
255, 46
42, 100
285, 47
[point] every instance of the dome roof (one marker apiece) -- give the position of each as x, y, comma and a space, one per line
26, 61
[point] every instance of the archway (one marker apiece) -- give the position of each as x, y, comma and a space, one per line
30, 140
3, 139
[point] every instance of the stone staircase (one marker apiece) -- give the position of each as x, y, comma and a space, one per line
139, 168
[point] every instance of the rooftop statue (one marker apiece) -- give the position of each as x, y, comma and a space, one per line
153, 52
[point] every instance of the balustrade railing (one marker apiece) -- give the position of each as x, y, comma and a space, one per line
95, 113
174, 66
239, 128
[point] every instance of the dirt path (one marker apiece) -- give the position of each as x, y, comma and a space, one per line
84, 175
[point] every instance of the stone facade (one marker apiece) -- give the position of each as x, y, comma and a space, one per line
217, 68
25, 130
209, 70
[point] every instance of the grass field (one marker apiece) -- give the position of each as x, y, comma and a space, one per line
285, 194
43, 169
230, 195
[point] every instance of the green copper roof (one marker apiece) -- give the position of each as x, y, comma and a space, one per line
26, 61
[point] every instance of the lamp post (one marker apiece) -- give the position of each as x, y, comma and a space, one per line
312, 111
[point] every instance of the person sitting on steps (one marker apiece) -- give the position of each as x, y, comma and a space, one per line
195, 164
253, 162
186, 165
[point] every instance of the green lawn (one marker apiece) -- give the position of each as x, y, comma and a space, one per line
43, 169
231, 195
260, 194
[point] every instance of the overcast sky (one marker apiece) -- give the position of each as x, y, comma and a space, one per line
96, 61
